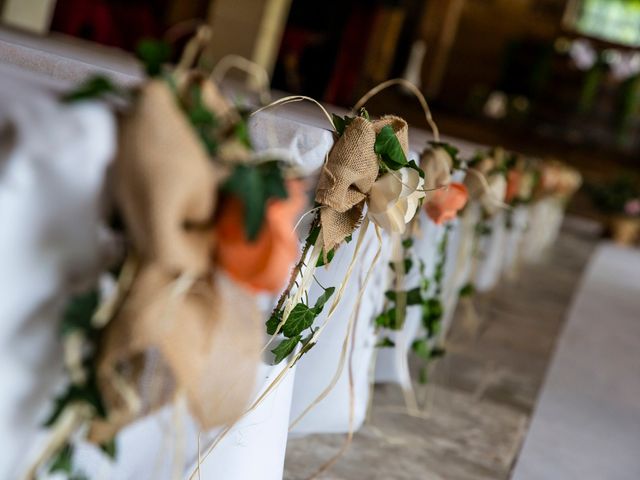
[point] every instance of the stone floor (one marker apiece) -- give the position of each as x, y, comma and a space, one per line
481, 395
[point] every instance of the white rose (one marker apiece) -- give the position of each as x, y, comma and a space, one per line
493, 197
394, 199
437, 165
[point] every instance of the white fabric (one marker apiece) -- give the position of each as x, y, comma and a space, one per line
545, 221
299, 144
491, 251
392, 362
52, 165
587, 422
514, 239
255, 446
317, 367
159, 445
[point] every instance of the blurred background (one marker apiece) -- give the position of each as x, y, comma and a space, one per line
551, 78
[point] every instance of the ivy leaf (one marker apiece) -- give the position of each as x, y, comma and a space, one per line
284, 348
483, 228
450, 149
307, 344
341, 123
413, 165
153, 54
407, 243
255, 185
408, 264
273, 180
434, 307
241, 131
93, 88
414, 296
109, 448
63, 461
198, 113
364, 114
300, 318
313, 235
431, 314
467, 290
421, 348
322, 300
338, 123
422, 266
59, 405
388, 147
202, 119
330, 254
387, 320
87, 393
79, 312
438, 275
274, 321
385, 342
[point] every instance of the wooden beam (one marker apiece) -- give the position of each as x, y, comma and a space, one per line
439, 30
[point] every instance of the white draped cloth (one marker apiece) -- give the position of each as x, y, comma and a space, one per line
53, 160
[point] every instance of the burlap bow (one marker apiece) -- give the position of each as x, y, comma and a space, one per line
349, 174
177, 330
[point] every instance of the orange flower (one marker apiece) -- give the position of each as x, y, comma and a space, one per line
264, 264
446, 202
514, 182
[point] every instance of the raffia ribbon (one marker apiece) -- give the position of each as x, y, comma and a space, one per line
348, 175
179, 328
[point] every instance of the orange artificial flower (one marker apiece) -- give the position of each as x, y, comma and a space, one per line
264, 264
446, 203
514, 183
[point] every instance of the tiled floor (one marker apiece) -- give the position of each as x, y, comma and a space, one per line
482, 393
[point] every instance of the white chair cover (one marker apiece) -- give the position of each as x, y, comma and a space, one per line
53, 160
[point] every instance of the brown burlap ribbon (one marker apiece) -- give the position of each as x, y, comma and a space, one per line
178, 329
348, 175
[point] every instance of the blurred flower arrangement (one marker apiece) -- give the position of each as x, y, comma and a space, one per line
620, 201
204, 223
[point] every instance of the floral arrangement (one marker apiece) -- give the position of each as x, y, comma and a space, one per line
620, 201
443, 200
366, 168
619, 197
522, 180
557, 180
204, 224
